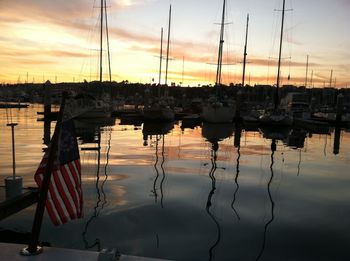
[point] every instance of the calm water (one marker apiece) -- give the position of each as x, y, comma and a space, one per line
186, 195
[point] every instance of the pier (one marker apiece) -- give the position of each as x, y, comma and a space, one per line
10, 206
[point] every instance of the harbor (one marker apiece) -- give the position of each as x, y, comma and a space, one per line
154, 130
157, 188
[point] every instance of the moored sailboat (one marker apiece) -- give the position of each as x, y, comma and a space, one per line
218, 110
160, 110
277, 116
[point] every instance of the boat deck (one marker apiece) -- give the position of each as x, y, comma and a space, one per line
12, 252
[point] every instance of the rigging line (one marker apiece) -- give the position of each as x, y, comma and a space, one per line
88, 36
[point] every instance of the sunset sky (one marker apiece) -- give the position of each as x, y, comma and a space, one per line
58, 40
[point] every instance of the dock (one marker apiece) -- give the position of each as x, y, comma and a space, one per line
13, 205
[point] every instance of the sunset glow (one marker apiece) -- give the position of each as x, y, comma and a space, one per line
59, 41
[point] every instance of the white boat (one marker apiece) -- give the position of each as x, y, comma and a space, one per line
216, 110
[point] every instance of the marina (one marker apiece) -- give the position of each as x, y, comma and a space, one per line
226, 140
152, 191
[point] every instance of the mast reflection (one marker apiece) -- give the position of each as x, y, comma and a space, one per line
163, 175
100, 202
237, 144
215, 133
215, 147
336, 145
273, 149
154, 191
159, 130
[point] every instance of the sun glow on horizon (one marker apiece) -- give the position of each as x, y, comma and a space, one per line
63, 47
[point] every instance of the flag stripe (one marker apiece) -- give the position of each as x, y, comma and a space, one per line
49, 203
75, 167
69, 182
77, 179
52, 211
57, 201
63, 193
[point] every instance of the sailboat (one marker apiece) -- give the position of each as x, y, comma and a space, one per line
160, 110
277, 116
217, 110
85, 106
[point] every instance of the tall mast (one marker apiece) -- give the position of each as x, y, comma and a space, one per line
101, 39
109, 56
307, 70
183, 69
167, 51
245, 51
221, 43
279, 58
160, 60
312, 76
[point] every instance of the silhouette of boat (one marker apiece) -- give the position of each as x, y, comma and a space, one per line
277, 116
218, 110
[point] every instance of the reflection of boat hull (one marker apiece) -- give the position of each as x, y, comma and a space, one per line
131, 120
152, 128
276, 133
217, 132
222, 114
191, 121
296, 139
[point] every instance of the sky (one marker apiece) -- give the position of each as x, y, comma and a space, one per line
59, 40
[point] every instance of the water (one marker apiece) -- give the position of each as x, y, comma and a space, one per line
183, 197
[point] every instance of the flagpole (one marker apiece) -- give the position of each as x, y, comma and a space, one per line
33, 248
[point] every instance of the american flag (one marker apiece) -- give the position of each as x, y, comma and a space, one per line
65, 199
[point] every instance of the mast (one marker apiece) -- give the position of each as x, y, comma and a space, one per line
160, 60
307, 70
167, 52
107, 35
279, 58
312, 76
221, 43
183, 69
101, 39
245, 51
